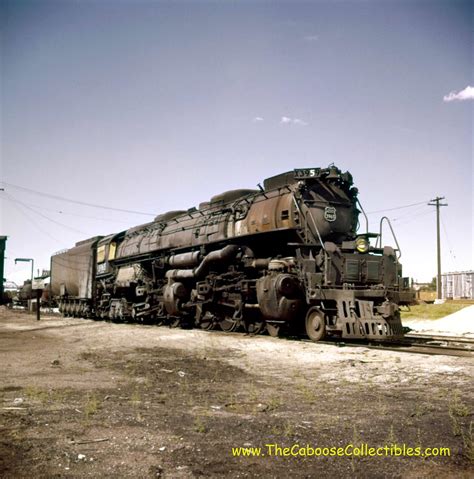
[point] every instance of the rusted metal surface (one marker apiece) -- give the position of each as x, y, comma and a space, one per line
72, 271
242, 213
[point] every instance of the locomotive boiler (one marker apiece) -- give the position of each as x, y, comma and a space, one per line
284, 257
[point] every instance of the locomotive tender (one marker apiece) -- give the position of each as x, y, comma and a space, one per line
286, 256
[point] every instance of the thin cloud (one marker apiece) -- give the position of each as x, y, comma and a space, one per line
311, 38
257, 119
297, 121
466, 94
285, 120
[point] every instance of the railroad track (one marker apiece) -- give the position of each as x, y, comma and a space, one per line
440, 338
425, 348
415, 344
436, 344
412, 343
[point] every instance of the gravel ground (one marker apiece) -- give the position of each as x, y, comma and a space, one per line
460, 323
92, 399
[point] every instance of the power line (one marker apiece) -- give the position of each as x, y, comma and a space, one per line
71, 214
397, 208
78, 202
404, 220
410, 213
11, 198
451, 252
35, 224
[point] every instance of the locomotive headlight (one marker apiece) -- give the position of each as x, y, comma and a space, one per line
362, 245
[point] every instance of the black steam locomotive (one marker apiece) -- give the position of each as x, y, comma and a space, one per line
286, 256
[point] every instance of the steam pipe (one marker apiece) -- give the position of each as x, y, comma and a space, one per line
220, 256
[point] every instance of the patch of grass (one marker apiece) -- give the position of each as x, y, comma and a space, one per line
456, 405
285, 429
36, 394
273, 403
136, 397
431, 311
468, 440
420, 410
419, 440
275, 430
47, 395
391, 438
91, 406
16, 434
456, 410
253, 394
309, 396
381, 404
199, 425
289, 430
356, 439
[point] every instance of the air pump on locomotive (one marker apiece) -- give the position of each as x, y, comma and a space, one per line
286, 256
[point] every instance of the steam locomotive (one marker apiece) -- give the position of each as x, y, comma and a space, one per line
284, 257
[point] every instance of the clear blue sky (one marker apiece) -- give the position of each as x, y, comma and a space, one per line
152, 106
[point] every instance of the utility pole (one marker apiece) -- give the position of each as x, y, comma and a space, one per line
3, 240
436, 202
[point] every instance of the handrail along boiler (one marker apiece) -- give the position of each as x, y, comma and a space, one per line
286, 256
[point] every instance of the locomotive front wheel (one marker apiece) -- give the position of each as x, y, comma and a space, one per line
315, 324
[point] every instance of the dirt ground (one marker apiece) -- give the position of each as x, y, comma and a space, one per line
81, 399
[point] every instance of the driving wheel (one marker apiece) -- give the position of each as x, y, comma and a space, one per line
315, 324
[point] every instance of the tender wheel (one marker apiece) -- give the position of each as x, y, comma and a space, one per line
274, 330
228, 324
175, 322
254, 327
208, 322
315, 324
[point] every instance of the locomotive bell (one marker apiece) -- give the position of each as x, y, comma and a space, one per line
333, 174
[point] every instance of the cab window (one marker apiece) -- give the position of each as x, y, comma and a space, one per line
112, 250
101, 254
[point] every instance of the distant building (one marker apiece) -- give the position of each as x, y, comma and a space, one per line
457, 285
424, 292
